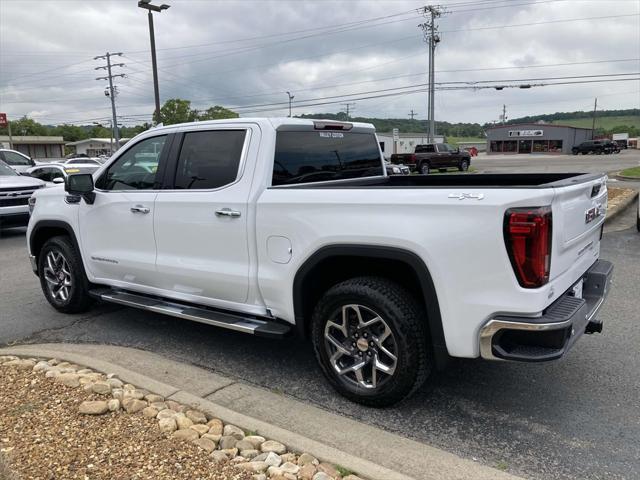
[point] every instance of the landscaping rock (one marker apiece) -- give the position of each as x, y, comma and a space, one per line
259, 476
307, 472
322, 476
215, 426
195, 416
118, 393
273, 446
212, 437
290, 457
114, 382
52, 373
159, 405
133, 405
97, 407
175, 406
20, 364
244, 445
351, 477
182, 421
201, 429
250, 454
187, 434
113, 404
306, 459
166, 413
135, 394
205, 444
227, 442
167, 425
219, 456
68, 379
230, 452
233, 431
152, 397
255, 440
150, 412
41, 366
329, 470
101, 388
254, 467
272, 459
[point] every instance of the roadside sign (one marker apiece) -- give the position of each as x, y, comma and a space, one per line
396, 134
3, 120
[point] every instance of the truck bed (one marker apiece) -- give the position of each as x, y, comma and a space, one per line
485, 180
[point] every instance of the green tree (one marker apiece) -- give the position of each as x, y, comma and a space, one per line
176, 110
70, 133
25, 126
217, 112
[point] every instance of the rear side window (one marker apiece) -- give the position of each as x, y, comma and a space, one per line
425, 149
209, 159
317, 156
16, 159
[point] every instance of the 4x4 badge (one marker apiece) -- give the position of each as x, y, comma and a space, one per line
464, 196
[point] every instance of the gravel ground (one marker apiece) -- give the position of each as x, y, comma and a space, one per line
44, 437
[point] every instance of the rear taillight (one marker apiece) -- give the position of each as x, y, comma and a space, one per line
413, 158
527, 235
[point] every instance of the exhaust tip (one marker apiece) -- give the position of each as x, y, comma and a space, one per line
593, 327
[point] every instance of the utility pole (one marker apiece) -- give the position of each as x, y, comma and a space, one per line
291, 97
412, 114
504, 114
112, 90
593, 124
431, 37
348, 106
146, 4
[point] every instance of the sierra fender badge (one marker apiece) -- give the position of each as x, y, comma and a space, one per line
464, 196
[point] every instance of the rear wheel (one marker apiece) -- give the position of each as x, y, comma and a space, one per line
62, 276
369, 339
425, 169
464, 166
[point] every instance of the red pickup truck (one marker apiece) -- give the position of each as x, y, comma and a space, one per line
440, 156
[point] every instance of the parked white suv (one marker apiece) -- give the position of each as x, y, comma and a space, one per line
15, 191
16, 160
291, 226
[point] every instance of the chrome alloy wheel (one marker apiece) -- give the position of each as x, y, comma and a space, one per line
58, 276
361, 347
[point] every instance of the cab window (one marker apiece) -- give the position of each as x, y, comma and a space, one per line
137, 168
16, 159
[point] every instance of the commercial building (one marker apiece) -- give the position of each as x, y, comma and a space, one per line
93, 147
406, 142
45, 148
535, 138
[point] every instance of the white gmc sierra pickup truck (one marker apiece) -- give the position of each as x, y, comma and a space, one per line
277, 227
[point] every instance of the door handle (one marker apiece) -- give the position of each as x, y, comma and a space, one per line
227, 212
140, 209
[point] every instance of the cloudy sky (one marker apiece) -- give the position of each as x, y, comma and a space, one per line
247, 54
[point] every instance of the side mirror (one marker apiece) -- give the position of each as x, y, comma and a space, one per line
80, 184
58, 180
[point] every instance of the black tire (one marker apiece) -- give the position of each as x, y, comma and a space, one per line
77, 298
575, 152
638, 218
424, 168
399, 313
464, 166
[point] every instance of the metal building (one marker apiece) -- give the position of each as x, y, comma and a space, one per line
535, 138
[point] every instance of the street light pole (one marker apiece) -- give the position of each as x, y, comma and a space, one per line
146, 4
291, 97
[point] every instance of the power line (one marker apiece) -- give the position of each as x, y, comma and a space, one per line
112, 90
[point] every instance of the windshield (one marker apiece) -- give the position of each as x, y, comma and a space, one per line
6, 171
317, 156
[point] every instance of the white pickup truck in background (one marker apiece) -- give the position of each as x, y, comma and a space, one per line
287, 226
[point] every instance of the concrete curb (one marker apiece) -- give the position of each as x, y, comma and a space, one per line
351, 441
621, 207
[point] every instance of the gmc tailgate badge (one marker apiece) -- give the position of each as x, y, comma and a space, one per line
592, 214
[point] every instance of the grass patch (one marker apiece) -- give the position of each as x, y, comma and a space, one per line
631, 172
502, 465
456, 140
343, 471
606, 123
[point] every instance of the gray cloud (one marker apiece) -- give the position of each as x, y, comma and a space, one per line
47, 47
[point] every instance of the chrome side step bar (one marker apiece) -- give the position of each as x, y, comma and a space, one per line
246, 324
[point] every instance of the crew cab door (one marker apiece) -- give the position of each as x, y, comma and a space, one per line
202, 215
116, 231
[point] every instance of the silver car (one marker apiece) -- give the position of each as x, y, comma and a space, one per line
16, 160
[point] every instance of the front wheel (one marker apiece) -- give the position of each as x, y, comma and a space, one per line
425, 169
369, 338
62, 276
464, 166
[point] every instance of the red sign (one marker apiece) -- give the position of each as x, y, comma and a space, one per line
3, 120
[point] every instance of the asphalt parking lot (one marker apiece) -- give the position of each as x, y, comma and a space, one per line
578, 418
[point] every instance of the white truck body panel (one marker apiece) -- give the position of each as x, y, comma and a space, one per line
183, 251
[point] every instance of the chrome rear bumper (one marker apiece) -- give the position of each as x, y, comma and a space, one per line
551, 335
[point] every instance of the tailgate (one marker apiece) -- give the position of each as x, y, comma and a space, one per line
578, 215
